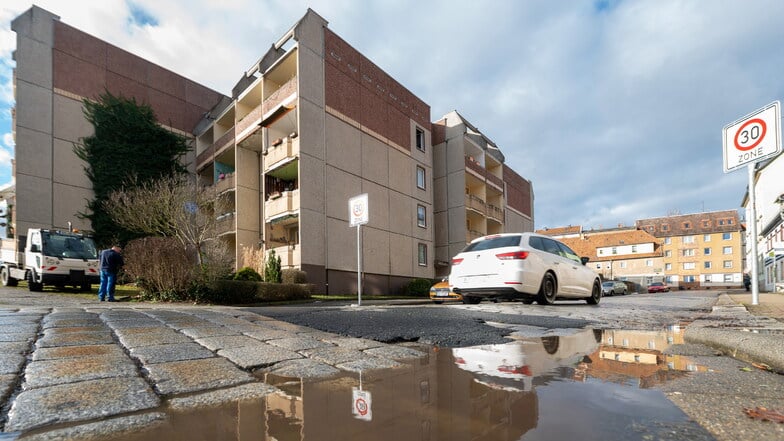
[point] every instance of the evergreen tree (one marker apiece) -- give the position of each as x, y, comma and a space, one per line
127, 149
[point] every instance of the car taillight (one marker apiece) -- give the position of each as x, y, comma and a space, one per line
456, 261
515, 255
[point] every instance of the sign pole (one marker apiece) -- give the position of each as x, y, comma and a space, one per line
359, 265
753, 236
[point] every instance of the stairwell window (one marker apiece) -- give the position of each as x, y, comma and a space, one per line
422, 254
419, 139
421, 216
420, 177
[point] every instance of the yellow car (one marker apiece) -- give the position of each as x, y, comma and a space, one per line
440, 293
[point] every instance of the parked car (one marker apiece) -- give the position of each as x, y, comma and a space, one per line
441, 292
658, 287
527, 266
613, 287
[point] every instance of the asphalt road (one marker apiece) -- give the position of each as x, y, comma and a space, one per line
457, 325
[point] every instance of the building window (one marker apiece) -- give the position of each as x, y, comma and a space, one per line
726, 250
665, 227
721, 221
614, 250
707, 265
688, 252
726, 236
420, 177
706, 251
729, 221
598, 266
667, 266
421, 216
648, 262
422, 254
706, 238
634, 248
727, 278
667, 240
688, 278
707, 277
623, 264
706, 223
727, 264
687, 225
420, 139
689, 265
668, 253
601, 251
688, 239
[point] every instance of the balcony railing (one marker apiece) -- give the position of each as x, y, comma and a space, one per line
473, 234
280, 203
279, 95
281, 149
290, 256
225, 184
223, 141
495, 180
475, 203
495, 213
251, 119
473, 164
225, 224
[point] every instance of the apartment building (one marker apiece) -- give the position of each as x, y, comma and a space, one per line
475, 192
701, 250
309, 125
769, 198
620, 254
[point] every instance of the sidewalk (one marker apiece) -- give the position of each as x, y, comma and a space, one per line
752, 333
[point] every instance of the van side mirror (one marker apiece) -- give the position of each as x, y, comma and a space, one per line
584, 260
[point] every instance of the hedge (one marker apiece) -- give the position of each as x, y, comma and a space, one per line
232, 292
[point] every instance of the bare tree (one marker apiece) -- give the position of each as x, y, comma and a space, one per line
174, 206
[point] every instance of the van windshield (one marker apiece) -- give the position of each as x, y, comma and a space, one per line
68, 246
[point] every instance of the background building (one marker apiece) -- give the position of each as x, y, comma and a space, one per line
309, 125
701, 250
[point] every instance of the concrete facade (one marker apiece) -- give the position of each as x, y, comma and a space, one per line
309, 125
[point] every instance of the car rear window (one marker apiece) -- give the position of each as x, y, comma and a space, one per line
494, 242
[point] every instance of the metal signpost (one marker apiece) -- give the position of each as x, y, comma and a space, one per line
358, 214
748, 140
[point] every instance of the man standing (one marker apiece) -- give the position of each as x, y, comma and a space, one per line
111, 261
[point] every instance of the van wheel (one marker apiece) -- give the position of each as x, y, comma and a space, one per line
548, 290
32, 285
85, 287
471, 300
6, 279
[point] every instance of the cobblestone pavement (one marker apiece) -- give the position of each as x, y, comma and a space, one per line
66, 360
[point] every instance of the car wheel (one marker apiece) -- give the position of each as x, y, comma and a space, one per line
548, 290
470, 300
596, 294
611, 293
624, 293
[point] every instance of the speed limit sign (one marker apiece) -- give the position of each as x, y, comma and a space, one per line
753, 138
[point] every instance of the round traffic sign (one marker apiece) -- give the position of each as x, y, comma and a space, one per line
750, 134
361, 405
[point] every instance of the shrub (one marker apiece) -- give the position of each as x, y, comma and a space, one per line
228, 292
418, 287
272, 268
163, 270
292, 275
247, 273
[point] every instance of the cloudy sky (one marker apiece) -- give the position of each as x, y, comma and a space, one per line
613, 108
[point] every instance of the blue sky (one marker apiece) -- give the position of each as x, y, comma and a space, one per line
613, 108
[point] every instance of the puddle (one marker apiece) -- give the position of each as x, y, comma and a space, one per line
590, 385
765, 331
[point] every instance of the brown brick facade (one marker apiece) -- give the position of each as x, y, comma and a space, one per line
86, 66
518, 192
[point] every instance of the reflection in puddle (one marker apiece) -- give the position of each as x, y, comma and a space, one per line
590, 385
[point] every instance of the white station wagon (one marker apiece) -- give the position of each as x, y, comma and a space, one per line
528, 266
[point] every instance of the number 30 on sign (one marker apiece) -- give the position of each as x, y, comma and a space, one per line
754, 137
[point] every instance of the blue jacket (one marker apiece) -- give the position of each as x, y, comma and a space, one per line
111, 261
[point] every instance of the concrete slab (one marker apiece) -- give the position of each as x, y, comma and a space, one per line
17, 336
53, 338
395, 352
114, 428
172, 352
299, 343
265, 334
226, 342
208, 331
11, 363
259, 355
162, 337
30, 328
70, 370
250, 391
196, 375
77, 352
82, 401
7, 385
302, 368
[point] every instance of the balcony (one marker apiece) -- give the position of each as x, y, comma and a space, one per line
473, 234
284, 96
495, 180
225, 224
280, 203
475, 203
495, 213
281, 149
474, 165
225, 184
249, 121
223, 142
290, 255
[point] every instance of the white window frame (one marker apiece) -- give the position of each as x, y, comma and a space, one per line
421, 178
